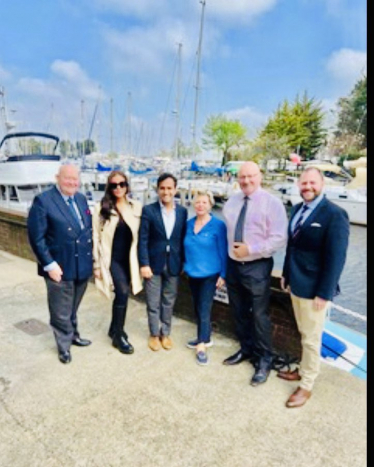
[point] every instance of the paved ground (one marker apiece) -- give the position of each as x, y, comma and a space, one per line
155, 409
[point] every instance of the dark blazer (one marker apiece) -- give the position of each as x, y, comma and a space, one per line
316, 257
153, 243
55, 236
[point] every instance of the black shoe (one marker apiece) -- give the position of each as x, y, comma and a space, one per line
239, 357
64, 357
78, 341
122, 344
260, 376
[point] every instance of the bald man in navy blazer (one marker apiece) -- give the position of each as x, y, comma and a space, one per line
315, 258
60, 234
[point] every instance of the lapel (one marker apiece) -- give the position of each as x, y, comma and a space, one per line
178, 219
127, 215
159, 218
311, 217
65, 210
295, 211
82, 210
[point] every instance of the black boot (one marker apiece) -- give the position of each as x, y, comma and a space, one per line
119, 337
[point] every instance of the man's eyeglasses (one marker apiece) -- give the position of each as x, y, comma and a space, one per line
113, 186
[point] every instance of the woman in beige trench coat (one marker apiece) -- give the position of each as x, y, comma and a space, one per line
116, 221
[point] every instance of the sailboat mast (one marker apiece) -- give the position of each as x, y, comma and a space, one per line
177, 100
111, 125
129, 104
82, 148
3, 111
203, 3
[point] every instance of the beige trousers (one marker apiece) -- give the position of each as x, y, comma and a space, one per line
310, 324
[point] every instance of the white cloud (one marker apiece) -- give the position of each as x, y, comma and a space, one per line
346, 66
249, 117
240, 11
138, 8
149, 48
72, 74
237, 10
55, 103
4, 74
38, 88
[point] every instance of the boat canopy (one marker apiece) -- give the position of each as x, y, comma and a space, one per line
32, 134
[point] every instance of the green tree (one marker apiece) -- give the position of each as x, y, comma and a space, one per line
352, 117
85, 147
301, 123
66, 147
269, 147
89, 146
223, 134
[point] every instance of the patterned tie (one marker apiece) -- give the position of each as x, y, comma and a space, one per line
74, 212
299, 223
239, 229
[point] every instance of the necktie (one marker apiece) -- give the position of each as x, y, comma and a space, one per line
299, 223
74, 212
238, 237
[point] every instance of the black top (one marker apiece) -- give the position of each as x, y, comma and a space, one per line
121, 244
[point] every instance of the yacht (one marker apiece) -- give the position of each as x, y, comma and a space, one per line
28, 166
350, 193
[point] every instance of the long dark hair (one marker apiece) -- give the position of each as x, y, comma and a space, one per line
108, 203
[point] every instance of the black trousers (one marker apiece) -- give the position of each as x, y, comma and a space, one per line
248, 287
120, 276
121, 282
64, 299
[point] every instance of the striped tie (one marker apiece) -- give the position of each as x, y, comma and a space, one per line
299, 223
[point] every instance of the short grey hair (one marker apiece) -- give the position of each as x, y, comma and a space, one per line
206, 193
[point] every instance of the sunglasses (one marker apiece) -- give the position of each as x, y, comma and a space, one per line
113, 186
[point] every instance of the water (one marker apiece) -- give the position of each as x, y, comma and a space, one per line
353, 282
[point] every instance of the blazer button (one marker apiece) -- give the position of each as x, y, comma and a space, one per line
69, 229
78, 241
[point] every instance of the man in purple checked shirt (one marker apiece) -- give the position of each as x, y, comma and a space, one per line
256, 228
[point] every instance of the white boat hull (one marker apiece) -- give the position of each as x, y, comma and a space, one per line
352, 201
20, 173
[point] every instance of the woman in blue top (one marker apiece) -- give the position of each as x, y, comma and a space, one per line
205, 263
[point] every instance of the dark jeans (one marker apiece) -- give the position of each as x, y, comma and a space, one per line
203, 291
161, 292
64, 299
248, 287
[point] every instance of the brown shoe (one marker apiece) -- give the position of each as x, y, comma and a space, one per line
154, 343
166, 342
298, 398
289, 375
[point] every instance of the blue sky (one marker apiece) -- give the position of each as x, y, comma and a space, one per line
56, 54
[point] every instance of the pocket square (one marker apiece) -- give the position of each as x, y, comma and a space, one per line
315, 224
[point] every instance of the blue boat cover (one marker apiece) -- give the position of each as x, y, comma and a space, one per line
332, 347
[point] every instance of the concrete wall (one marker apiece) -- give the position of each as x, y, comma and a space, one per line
13, 239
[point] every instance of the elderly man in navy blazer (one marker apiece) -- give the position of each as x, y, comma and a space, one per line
60, 234
162, 231
315, 257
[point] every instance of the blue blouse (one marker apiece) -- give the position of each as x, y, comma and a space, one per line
206, 252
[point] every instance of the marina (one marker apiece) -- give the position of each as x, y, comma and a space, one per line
194, 89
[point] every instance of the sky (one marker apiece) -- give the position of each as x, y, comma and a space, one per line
113, 69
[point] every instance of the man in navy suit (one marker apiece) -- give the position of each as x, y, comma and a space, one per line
315, 257
162, 231
60, 234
